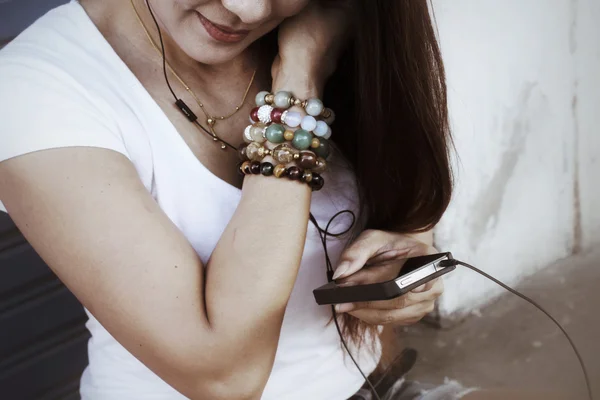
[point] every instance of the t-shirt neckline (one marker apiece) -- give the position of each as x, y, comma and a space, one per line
186, 151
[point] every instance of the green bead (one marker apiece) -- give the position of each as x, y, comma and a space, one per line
274, 133
260, 98
302, 139
324, 149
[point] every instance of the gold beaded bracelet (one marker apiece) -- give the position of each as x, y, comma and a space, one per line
283, 154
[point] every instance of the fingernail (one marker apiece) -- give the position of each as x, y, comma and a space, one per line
344, 307
341, 269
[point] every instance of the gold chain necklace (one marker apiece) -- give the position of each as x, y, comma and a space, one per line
210, 120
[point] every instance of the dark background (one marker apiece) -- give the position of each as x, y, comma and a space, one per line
16, 15
43, 340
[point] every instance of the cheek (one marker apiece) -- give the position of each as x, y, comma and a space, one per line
189, 4
177, 10
169, 12
289, 8
264, 29
175, 15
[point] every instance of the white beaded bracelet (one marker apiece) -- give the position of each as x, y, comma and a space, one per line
293, 119
284, 100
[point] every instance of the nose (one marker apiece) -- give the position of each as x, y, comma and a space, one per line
250, 11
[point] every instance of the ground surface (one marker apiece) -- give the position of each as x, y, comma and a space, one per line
510, 344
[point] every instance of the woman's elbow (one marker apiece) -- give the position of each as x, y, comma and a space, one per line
226, 377
242, 385
212, 369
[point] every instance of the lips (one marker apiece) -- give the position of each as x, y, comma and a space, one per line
222, 33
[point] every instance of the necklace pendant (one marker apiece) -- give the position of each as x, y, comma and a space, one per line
210, 121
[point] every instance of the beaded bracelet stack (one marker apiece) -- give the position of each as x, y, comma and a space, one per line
307, 146
313, 179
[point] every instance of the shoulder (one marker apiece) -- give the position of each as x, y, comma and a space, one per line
51, 59
60, 31
61, 85
62, 46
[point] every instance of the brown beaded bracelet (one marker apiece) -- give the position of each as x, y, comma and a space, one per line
283, 154
314, 180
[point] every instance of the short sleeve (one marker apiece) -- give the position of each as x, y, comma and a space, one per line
42, 107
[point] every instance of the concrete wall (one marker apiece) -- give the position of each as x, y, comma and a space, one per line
587, 73
524, 84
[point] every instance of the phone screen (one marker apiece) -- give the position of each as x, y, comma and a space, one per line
385, 268
383, 277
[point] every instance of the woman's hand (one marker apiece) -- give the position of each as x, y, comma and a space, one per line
310, 44
379, 250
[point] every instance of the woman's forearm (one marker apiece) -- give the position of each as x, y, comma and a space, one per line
252, 271
254, 266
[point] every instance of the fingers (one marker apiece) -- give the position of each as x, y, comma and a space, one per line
403, 316
369, 275
357, 254
424, 288
438, 287
412, 298
369, 243
374, 247
432, 290
431, 294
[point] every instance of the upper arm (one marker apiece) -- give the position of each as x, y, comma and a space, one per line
85, 211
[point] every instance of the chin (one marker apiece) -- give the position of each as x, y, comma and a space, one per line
199, 46
215, 54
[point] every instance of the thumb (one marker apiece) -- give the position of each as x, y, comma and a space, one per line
368, 244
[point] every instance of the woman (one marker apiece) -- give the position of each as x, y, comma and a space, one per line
196, 286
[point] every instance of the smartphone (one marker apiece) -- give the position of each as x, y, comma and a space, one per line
399, 277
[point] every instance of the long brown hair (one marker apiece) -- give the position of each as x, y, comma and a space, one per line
389, 93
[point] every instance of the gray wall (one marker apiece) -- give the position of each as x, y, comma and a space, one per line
524, 96
16, 15
43, 340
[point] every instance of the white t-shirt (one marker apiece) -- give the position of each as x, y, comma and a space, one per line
61, 85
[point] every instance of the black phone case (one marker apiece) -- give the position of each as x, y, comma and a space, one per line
331, 293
